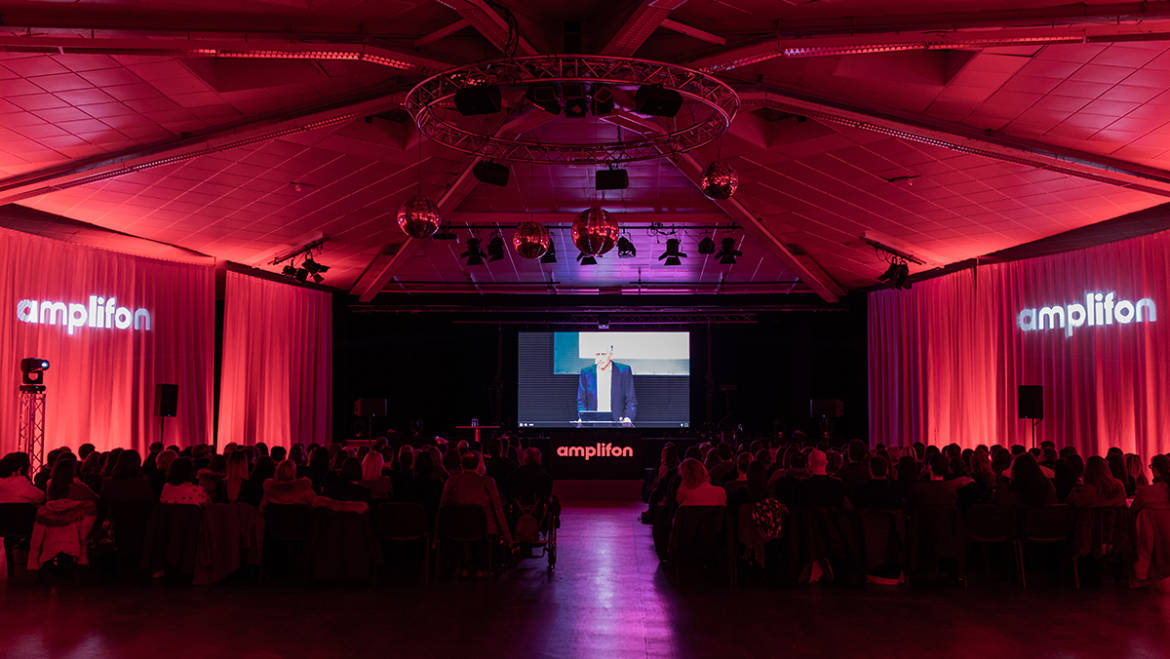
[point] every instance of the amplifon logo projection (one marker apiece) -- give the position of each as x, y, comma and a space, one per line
598, 450
100, 313
1098, 309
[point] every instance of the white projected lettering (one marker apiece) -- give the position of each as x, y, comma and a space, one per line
1098, 309
99, 313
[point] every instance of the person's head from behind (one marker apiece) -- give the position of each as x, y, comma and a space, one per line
879, 467
1074, 466
129, 465
469, 461
742, 462
693, 473
1161, 467
858, 451
237, 465
908, 469
940, 466
296, 453
1018, 449
405, 456
165, 459
84, 451
181, 472
260, 450
532, 456
372, 466
424, 465
218, 464
797, 461
286, 470
602, 357
14, 464
1117, 465
351, 470
1097, 472
155, 448
265, 468
818, 462
1133, 466
279, 453
63, 475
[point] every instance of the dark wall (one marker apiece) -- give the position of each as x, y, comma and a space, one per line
447, 368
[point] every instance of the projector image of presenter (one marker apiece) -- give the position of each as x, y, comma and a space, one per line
607, 386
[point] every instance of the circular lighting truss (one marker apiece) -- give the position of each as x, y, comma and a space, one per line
718, 102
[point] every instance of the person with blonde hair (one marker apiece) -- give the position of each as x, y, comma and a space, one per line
696, 488
379, 485
286, 488
236, 476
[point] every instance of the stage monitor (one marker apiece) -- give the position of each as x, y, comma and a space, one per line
604, 380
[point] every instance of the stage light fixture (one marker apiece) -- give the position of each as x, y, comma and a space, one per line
495, 248
586, 259
603, 101
576, 102
671, 255
897, 276
728, 253
32, 370
657, 101
491, 173
473, 253
482, 99
550, 256
289, 270
626, 248
707, 246
612, 179
545, 96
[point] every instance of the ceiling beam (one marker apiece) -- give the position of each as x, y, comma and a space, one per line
198, 143
488, 22
813, 277
442, 33
961, 138
693, 32
381, 270
1025, 26
647, 17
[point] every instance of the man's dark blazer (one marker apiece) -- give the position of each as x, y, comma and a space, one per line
622, 400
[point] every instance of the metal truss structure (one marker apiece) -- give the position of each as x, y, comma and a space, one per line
718, 102
31, 437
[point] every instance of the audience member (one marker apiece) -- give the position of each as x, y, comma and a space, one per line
1100, 488
467, 487
1157, 493
695, 488
180, 487
15, 487
127, 483
379, 485
286, 488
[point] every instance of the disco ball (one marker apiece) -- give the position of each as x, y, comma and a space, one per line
531, 240
720, 180
418, 217
595, 232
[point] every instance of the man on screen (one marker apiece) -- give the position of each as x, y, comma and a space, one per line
607, 386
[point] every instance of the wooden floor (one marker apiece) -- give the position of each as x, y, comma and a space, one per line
607, 598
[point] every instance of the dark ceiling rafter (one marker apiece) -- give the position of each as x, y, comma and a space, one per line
646, 17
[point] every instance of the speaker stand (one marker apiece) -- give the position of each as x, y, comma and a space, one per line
1035, 422
162, 427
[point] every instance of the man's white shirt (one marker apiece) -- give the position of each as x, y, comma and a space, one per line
604, 388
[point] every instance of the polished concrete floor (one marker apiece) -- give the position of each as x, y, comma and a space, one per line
608, 598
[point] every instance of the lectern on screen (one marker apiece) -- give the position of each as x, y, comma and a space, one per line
604, 379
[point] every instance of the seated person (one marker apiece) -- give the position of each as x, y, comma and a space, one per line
212, 476
695, 488
344, 485
181, 488
373, 478
15, 487
879, 492
286, 489
235, 480
820, 490
127, 483
737, 478
64, 483
1100, 489
856, 471
943, 487
1029, 484
468, 487
530, 483
1157, 493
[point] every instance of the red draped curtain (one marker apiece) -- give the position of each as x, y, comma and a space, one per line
101, 380
946, 357
276, 383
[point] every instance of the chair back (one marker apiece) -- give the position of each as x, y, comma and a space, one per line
130, 520
400, 521
990, 523
17, 519
1047, 523
462, 523
287, 522
699, 531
